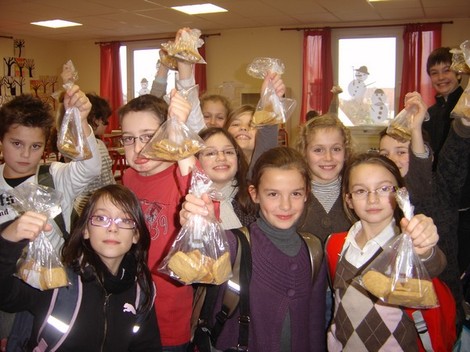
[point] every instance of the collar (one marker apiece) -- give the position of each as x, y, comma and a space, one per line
380, 240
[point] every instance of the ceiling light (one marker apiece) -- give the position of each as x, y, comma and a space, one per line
199, 9
56, 23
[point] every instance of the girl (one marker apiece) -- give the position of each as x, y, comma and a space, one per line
215, 109
326, 144
108, 251
368, 192
287, 313
224, 163
253, 140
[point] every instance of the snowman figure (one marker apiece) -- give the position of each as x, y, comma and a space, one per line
144, 83
378, 107
357, 87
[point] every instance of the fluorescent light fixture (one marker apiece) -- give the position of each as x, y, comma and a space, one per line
199, 9
56, 23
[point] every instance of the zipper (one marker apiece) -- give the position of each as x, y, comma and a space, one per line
105, 328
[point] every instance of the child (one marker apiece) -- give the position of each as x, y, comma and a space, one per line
215, 108
368, 191
326, 144
160, 187
98, 120
25, 126
433, 196
253, 140
24, 129
224, 163
287, 309
108, 251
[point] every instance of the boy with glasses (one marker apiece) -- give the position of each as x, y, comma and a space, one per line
160, 187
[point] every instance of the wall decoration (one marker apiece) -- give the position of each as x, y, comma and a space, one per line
18, 47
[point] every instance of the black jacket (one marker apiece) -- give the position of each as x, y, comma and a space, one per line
101, 325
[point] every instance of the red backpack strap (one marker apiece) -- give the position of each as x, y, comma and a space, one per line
333, 246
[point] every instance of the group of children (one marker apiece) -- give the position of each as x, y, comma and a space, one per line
124, 231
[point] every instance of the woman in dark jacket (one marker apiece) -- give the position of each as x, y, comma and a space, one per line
107, 253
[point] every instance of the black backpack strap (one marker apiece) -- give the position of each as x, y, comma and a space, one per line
45, 179
61, 315
237, 289
245, 279
315, 250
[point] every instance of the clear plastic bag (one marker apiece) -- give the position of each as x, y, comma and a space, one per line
400, 126
185, 46
462, 108
40, 266
168, 61
261, 66
71, 139
458, 62
174, 140
272, 110
397, 276
200, 252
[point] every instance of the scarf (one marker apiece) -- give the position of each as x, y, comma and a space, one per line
229, 220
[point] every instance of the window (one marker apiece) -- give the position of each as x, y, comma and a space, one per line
366, 69
138, 68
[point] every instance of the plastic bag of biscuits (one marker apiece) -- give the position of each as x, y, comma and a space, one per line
271, 109
397, 276
185, 46
400, 126
39, 265
462, 108
173, 141
71, 139
200, 252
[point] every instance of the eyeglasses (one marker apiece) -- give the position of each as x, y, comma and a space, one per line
130, 140
383, 191
213, 153
105, 221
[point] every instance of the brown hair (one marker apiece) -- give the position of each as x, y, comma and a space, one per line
242, 197
370, 159
146, 102
26, 110
243, 109
78, 253
284, 158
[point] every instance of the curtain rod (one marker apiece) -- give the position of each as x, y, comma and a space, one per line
367, 26
147, 39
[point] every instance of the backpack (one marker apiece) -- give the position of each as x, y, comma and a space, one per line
435, 326
23, 323
61, 315
236, 294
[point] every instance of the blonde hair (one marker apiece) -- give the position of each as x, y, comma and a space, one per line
326, 121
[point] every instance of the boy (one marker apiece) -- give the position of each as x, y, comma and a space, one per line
25, 125
447, 85
160, 186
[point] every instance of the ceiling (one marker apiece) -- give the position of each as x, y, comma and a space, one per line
112, 19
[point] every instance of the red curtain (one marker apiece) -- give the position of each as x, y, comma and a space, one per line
110, 81
317, 72
418, 42
200, 72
